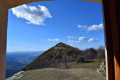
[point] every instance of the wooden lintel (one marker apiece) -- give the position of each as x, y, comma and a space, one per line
98, 1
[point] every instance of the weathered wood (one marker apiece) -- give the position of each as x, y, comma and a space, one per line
14, 3
3, 38
112, 37
108, 40
117, 53
98, 1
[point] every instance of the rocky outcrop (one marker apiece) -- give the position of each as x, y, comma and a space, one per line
102, 67
16, 76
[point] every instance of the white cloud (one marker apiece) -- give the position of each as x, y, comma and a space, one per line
80, 26
71, 37
82, 38
95, 27
92, 40
72, 41
34, 15
72, 45
54, 39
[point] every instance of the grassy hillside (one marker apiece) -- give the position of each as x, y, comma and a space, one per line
77, 71
93, 64
63, 55
59, 53
64, 62
62, 74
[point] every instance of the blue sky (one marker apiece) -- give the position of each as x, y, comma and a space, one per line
40, 25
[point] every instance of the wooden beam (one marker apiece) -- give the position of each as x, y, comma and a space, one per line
98, 1
3, 38
14, 3
117, 53
111, 11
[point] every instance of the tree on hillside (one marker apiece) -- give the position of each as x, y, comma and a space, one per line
90, 53
101, 52
80, 59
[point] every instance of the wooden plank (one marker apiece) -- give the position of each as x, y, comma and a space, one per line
117, 53
112, 37
108, 40
98, 1
3, 38
14, 3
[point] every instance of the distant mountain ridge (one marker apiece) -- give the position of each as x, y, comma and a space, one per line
15, 61
57, 54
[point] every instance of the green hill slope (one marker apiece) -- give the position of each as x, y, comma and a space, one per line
60, 53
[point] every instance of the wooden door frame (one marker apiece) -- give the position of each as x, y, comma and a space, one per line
111, 12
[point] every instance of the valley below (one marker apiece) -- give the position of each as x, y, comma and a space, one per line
15, 61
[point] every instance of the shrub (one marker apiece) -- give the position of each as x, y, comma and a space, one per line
90, 53
101, 52
80, 59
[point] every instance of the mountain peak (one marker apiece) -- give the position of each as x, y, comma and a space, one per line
59, 51
62, 45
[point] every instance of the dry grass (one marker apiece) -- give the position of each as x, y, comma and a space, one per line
77, 71
93, 64
62, 74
